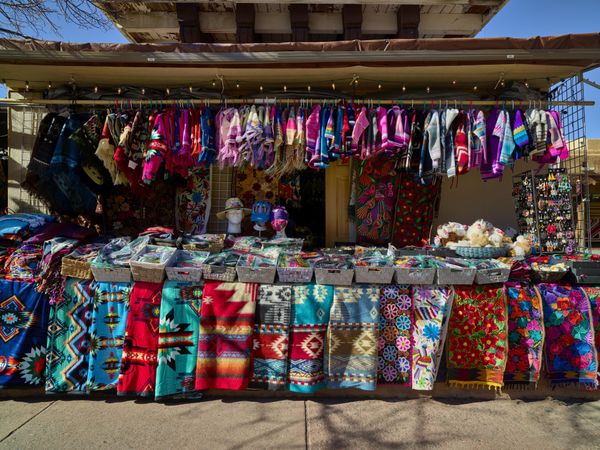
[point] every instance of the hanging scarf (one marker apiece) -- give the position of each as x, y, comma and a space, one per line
225, 335
178, 339
432, 308
395, 335
310, 315
107, 334
51, 282
23, 325
139, 360
69, 338
271, 337
570, 354
525, 335
351, 358
478, 337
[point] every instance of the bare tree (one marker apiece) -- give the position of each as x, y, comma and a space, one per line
19, 16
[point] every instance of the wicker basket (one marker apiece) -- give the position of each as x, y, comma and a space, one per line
481, 252
451, 275
150, 272
209, 246
176, 273
336, 277
374, 275
71, 267
415, 275
115, 274
491, 276
263, 275
220, 273
295, 274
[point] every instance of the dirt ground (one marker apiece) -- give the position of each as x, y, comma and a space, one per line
232, 423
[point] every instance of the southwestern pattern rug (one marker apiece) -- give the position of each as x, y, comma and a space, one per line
525, 335
178, 339
107, 334
69, 338
570, 354
23, 324
311, 305
139, 360
351, 358
395, 335
225, 336
271, 337
432, 305
478, 337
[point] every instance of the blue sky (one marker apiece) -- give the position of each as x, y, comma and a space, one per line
519, 18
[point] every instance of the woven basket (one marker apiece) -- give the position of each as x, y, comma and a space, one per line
491, 276
150, 272
373, 275
295, 274
75, 268
114, 274
336, 277
481, 252
447, 275
263, 275
415, 275
176, 273
220, 273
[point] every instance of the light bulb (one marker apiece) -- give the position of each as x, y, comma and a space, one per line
119, 91
379, 86
475, 87
190, 89
526, 84
49, 84
403, 88
261, 89
237, 85
95, 89
453, 82
308, 88
333, 86
284, 88
27, 86
214, 83
143, 91
168, 91
428, 89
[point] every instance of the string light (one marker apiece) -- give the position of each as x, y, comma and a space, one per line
191, 89
308, 88
95, 89
119, 91
237, 85
168, 91
526, 84
475, 87
502, 83
214, 83
284, 88
49, 84
333, 86
143, 91
403, 88
27, 86
261, 89
428, 89
453, 82
379, 86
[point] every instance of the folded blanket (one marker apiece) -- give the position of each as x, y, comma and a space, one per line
178, 339
225, 336
271, 337
570, 354
395, 335
478, 337
311, 305
351, 358
525, 335
432, 306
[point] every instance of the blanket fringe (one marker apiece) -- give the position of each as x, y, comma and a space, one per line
474, 385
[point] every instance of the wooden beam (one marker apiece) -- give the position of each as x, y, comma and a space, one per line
352, 19
325, 23
408, 19
210, 22
244, 18
299, 22
188, 17
445, 24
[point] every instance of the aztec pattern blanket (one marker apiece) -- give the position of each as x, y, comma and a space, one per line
593, 295
107, 334
351, 358
525, 335
178, 339
570, 353
395, 335
311, 305
69, 338
432, 305
271, 337
225, 336
23, 324
139, 360
478, 337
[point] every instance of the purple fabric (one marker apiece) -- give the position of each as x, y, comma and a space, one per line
66, 230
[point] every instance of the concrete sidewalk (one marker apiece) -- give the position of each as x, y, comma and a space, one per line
228, 423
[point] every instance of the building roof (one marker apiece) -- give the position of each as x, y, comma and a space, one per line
414, 63
297, 20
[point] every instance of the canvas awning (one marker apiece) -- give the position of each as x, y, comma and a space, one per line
541, 61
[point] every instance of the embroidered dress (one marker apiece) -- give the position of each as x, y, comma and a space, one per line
107, 334
525, 335
69, 338
477, 337
271, 337
23, 324
139, 360
225, 336
178, 339
193, 202
570, 354
351, 358
432, 305
311, 305
395, 335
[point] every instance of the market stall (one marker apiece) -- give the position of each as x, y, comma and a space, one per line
291, 227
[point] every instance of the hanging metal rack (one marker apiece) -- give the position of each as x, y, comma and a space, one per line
121, 102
